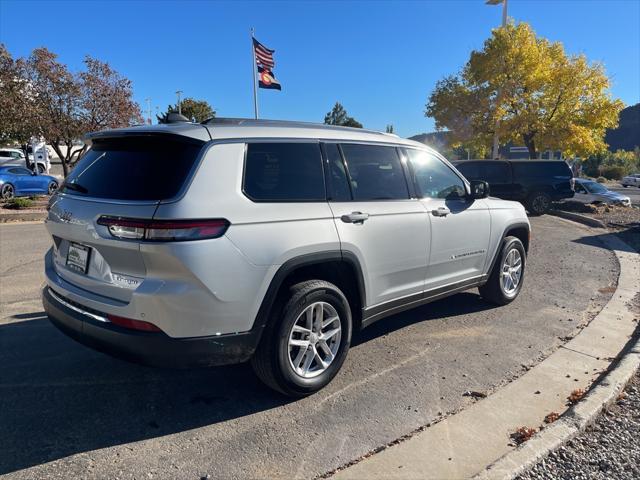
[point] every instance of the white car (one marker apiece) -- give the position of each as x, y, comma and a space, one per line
588, 191
15, 156
632, 180
12, 156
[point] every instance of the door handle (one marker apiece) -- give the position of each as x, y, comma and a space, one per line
354, 217
440, 212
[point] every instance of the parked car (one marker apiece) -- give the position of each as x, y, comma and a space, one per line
271, 241
15, 156
12, 156
632, 180
534, 183
19, 181
588, 191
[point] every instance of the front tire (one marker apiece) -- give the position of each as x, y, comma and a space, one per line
507, 276
306, 341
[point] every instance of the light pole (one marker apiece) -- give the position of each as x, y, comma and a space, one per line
148, 100
496, 140
178, 93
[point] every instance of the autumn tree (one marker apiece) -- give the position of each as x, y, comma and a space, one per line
195, 110
14, 100
338, 116
60, 106
530, 91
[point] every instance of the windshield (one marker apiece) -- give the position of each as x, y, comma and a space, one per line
593, 187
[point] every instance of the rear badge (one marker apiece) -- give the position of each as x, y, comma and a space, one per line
125, 280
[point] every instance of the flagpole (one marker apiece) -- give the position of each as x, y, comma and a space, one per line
255, 73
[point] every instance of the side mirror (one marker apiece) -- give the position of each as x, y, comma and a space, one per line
479, 189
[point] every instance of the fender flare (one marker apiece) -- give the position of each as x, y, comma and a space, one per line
262, 317
511, 226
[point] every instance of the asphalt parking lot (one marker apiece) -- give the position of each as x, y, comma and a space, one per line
69, 412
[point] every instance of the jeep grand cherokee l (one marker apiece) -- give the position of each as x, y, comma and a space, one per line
234, 240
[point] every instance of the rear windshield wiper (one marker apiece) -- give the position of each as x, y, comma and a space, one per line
77, 187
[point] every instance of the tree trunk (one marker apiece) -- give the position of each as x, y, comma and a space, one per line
531, 145
65, 166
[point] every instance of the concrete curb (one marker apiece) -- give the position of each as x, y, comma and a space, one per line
442, 450
19, 217
576, 217
573, 421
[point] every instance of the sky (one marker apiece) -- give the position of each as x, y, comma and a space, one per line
380, 59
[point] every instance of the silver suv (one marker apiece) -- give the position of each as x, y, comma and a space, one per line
234, 240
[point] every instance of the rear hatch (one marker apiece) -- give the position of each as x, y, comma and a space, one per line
118, 177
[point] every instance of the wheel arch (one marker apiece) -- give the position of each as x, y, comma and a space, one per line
340, 268
520, 230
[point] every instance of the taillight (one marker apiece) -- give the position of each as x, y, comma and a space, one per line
164, 230
133, 324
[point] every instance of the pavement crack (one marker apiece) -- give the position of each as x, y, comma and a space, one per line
581, 353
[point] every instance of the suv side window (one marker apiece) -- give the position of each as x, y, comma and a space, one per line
20, 171
284, 172
433, 177
375, 172
494, 172
469, 169
338, 181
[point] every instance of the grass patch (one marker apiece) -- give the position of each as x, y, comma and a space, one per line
19, 203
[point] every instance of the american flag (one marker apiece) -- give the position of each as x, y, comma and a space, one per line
264, 56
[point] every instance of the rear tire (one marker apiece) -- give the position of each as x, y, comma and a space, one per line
507, 277
297, 355
539, 203
53, 187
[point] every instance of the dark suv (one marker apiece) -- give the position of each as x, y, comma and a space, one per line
534, 183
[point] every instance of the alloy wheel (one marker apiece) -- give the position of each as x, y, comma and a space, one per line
511, 272
7, 191
314, 340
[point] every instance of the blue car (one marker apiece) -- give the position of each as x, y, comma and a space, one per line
20, 181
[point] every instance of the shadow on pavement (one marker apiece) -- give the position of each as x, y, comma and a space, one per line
630, 236
59, 398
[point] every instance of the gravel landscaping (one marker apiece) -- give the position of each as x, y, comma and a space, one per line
608, 449
623, 221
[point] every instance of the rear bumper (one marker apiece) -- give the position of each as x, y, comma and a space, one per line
148, 348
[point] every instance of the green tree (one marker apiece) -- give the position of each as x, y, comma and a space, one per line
195, 110
531, 91
338, 116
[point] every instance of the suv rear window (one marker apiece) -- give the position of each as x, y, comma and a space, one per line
133, 168
287, 172
541, 169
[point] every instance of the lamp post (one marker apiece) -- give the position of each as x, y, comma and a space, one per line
178, 93
496, 140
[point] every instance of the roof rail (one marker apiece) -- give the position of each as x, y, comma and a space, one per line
252, 122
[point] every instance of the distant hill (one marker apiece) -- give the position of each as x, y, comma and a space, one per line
627, 135
436, 140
